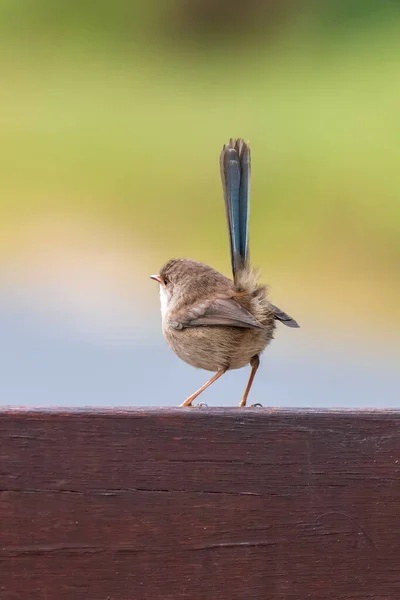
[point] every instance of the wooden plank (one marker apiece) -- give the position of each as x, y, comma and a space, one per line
235, 504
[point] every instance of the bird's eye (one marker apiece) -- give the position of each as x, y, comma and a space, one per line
166, 281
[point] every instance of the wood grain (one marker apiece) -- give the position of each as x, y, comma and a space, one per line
250, 504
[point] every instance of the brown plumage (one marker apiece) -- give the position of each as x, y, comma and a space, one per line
210, 321
210, 324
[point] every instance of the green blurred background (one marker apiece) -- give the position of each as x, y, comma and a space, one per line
112, 117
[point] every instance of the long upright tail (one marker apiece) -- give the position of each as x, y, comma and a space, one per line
235, 174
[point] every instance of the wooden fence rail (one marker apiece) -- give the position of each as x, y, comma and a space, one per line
213, 504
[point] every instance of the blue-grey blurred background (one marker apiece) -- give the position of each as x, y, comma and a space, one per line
112, 117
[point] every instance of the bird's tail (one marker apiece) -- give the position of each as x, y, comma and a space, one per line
235, 174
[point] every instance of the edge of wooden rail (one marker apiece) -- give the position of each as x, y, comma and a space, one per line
195, 411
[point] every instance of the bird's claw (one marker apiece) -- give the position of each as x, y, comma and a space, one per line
256, 405
201, 405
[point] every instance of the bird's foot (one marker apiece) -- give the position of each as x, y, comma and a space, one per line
201, 405
256, 405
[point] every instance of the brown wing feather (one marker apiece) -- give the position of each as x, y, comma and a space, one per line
286, 319
222, 311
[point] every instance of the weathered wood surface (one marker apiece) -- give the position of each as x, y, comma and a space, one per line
194, 504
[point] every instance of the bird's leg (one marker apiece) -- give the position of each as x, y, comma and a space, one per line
188, 401
254, 362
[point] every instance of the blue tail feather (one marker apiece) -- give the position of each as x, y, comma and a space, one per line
235, 173
244, 205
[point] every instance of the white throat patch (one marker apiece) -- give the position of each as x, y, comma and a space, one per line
163, 301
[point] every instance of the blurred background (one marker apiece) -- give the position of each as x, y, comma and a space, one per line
112, 117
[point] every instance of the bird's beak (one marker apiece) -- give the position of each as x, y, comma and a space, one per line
157, 278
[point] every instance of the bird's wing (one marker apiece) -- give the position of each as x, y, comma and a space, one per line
284, 317
221, 311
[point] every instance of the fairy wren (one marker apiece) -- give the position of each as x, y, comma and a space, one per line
210, 321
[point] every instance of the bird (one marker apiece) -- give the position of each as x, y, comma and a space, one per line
210, 321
